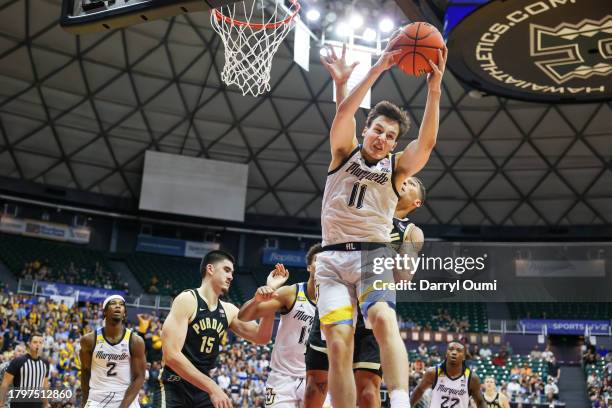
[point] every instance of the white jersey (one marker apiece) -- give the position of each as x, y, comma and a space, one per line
292, 335
359, 201
451, 392
110, 369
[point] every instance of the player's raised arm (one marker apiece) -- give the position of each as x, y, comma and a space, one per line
258, 333
173, 336
476, 392
270, 298
416, 154
138, 366
426, 382
342, 136
87, 346
340, 72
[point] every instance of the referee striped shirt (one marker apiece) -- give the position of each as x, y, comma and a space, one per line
29, 373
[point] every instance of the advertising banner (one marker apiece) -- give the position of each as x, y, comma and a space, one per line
288, 258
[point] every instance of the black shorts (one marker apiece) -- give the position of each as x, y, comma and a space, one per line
181, 394
366, 355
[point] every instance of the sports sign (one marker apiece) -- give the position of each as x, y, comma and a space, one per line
535, 50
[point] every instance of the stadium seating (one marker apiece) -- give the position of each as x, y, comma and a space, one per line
16, 251
182, 273
427, 313
538, 310
485, 367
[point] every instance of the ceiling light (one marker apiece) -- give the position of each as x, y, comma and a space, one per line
386, 25
313, 15
369, 34
356, 21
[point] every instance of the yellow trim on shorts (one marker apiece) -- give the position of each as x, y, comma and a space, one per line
339, 315
319, 349
364, 295
367, 365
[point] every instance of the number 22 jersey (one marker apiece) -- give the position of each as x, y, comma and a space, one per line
451, 392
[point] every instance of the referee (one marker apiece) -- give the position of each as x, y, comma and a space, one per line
27, 372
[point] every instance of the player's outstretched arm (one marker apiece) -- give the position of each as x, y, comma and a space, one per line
416, 154
342, 136
476, 392
266, 302
270, 298
138, 366
87, 346
173, 336
340, 72
426, 382
258, 333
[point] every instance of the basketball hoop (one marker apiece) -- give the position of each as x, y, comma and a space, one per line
251, 35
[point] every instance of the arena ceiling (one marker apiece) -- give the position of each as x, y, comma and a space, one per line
79, 112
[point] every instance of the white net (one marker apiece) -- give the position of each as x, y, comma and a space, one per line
252, 33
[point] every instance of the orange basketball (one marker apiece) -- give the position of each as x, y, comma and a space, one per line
420, 43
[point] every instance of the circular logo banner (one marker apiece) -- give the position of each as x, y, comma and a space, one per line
536, 50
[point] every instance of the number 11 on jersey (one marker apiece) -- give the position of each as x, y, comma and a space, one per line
357, 194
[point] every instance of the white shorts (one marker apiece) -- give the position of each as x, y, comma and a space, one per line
346, 278
108, 399
283, 391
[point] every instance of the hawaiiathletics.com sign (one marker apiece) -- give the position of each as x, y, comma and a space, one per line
577, 327
536, 50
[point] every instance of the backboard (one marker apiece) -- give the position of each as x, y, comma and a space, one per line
89, 16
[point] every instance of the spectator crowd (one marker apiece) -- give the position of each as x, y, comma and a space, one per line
95, 275
243, 368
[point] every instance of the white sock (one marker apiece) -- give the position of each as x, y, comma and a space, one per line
399, 399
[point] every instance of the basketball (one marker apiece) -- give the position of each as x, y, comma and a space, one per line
420, 43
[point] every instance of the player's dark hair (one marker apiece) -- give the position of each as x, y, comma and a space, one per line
312, 252
213, 257
422, 189
393, 112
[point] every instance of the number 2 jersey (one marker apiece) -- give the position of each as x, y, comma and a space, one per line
111, 373
359, 201
449, 392
292, 335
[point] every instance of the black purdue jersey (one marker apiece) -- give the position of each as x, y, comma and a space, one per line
493, 404
204, 334
400, 228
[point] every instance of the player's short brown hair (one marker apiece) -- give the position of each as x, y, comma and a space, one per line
312, 252
391, 111
213, 257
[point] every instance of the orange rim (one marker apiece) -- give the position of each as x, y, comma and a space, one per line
220, 16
